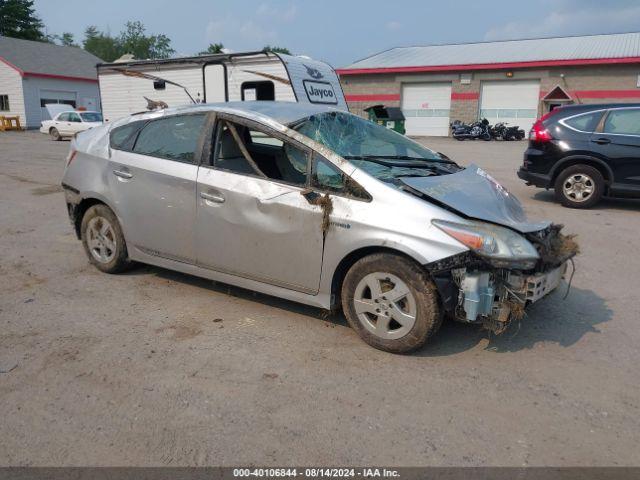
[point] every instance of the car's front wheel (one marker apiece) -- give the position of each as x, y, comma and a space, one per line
103, 240
579, 186
391, 302
55, 134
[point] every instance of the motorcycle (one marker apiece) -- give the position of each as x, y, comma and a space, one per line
462, 131
500, 131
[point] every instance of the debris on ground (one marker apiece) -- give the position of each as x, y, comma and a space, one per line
8, 367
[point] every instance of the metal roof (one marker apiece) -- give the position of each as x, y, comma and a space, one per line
570, 49
46, 59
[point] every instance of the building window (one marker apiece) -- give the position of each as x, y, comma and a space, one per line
48, 101
4, 103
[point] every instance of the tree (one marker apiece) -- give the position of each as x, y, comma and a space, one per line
275, 49
67, 40
19, 20
213, 48
131, 40
102, 45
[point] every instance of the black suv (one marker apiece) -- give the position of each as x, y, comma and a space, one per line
584, 152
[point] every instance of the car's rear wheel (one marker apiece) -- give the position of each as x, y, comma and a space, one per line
103, 240
55, 134
579, 186
391, 302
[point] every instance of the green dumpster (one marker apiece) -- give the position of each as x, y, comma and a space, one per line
390, 117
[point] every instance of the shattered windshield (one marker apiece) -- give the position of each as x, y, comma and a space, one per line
381, 152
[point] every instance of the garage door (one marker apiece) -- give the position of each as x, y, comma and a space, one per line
48, 97
514, 102
426, 108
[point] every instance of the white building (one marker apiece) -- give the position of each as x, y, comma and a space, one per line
33, 74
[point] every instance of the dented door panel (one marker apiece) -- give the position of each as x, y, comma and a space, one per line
258, 229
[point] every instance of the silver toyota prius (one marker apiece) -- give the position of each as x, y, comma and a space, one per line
315, 205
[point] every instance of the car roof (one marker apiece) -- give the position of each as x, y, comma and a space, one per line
282, 112
573, 109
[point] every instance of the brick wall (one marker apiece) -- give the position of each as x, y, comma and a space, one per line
586, 85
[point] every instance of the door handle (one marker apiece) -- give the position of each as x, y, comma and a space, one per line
212, 197
122, 174
601, 141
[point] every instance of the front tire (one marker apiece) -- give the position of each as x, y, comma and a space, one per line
103, 240
579, 186
391, 302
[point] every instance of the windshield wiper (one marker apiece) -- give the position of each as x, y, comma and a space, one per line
400, 161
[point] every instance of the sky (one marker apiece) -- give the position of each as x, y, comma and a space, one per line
341, 32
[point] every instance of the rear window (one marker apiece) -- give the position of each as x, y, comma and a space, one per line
122, 138
586, 122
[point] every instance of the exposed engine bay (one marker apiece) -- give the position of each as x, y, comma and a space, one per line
474, 291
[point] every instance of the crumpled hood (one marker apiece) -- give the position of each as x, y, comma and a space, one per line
476, 194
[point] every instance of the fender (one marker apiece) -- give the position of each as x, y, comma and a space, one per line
559, 166
102, 199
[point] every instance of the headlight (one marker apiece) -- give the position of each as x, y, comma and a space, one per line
498, 245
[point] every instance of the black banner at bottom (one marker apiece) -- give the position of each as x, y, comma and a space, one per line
283, 473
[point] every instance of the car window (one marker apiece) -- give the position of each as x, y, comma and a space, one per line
74, 117
91, 116
623, 122
327, 177
122, 138
586, 122
173, 138
252, 151
63, 117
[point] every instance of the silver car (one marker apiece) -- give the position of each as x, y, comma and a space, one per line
314, 205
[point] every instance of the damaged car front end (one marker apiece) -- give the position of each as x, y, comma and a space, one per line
509, 262
502, 273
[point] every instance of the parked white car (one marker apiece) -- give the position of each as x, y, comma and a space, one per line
67, 124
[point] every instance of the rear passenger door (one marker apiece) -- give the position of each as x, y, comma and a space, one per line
618, 138
152, 177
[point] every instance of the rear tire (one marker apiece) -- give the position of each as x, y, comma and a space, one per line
103, 240
579, 186
55, 134
391, 302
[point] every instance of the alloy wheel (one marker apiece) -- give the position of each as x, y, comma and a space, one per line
578, 187
385, 306
101, 239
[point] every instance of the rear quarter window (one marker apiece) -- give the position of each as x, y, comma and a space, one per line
587, 122
173, 138
122, 138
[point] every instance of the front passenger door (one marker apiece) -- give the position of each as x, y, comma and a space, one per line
254, 220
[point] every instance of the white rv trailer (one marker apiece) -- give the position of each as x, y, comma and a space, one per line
126, 87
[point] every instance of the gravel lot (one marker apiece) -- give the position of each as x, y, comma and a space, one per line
159, 368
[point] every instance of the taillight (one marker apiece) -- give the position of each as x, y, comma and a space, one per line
72, 155
538, 132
